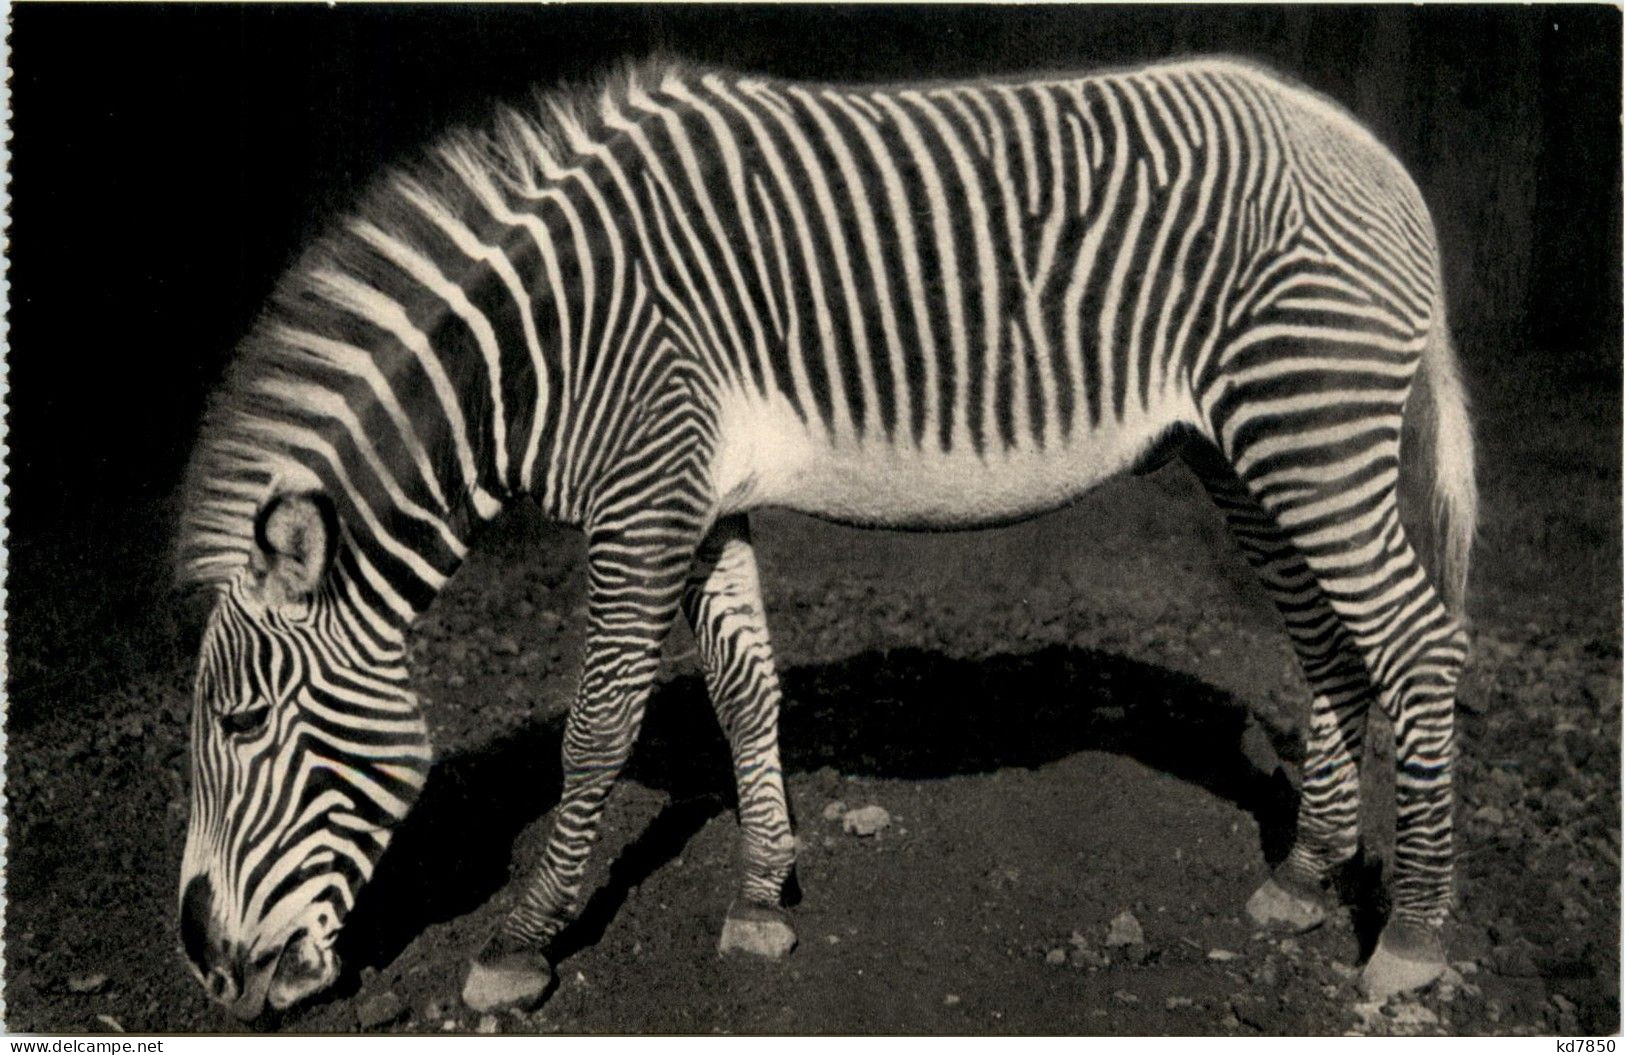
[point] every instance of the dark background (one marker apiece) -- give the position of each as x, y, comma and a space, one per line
169, 161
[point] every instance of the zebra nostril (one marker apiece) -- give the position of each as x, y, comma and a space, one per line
221, 985
196, 904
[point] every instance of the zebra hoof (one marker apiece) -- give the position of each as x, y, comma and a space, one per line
514, 981
1275, 907
1409, 956
756, 930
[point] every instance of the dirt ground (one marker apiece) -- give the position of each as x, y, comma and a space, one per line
1090, 714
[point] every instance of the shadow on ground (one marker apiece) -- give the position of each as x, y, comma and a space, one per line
907, 714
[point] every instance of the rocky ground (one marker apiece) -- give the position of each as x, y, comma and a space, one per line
1036, 773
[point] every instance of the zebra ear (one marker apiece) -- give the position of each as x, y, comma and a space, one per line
295, 536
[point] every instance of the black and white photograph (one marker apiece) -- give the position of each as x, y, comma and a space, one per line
858, 520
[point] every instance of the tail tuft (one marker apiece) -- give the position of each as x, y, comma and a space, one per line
1440, 478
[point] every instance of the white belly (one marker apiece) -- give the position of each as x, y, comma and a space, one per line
768, 457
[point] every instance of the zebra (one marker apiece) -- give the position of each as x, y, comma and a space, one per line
687, 294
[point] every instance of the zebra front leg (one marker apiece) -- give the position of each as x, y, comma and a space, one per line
1328, 824
723, 601
633, 588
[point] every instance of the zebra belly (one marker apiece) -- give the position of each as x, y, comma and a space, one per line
769, 457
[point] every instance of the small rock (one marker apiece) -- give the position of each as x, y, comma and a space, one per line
1124, 930
87, 983
866, 821
1088, 958
1288, 947
1490, 815
1222, 955
1563, 1003
1370, 1017
833, 811
455, 681
951, 1000
1465, 967
1177, 1003
448, 1026
505, 646
380, 1010
1055, 957
1411, 1018
1123, 996
487, 1024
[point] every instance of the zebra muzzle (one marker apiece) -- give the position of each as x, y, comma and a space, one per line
303, 968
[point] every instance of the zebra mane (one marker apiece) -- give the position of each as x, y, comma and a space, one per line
237, 461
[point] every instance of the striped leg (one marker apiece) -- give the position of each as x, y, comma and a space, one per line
634, 579
1328, 829
723, 601
1339, 508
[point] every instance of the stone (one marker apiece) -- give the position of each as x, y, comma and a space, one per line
487, 1024
834, 810
1274, 907
866, 821
1123, 996
1178, 1003
1410, 1019
86, 984
1222, 955
1124, 930
379, 1010
505, 645
951, 1000
1083, 957
1055, 957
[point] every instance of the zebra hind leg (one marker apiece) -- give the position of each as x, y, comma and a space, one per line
1339, 507
635, 576
723, 602
1328, 826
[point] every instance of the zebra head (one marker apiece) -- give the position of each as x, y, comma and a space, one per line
307, 749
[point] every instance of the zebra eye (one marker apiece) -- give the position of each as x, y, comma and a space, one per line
245, 723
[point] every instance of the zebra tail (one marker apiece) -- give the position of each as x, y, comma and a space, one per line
1440, 477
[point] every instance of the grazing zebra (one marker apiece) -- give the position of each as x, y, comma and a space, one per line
694, 294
